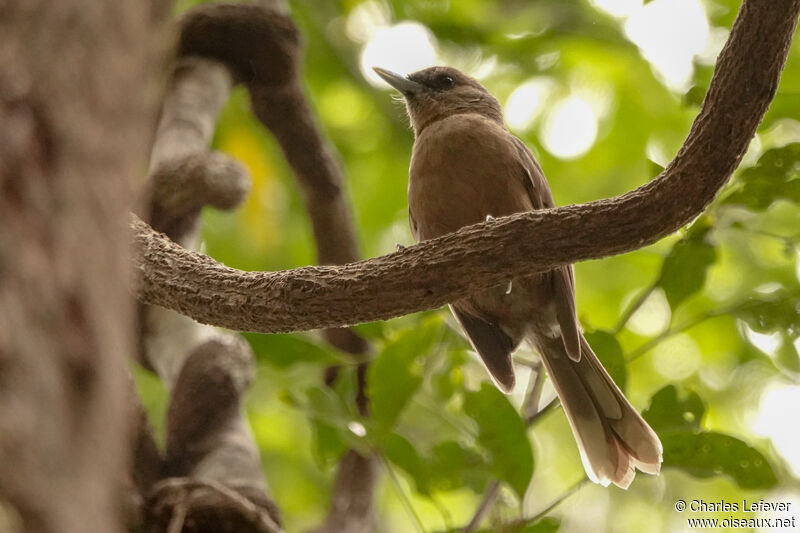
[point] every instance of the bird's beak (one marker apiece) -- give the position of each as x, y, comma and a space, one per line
398, 81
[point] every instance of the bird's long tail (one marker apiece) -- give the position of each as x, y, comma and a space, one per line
612, 437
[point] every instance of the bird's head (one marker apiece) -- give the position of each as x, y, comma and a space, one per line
436, 93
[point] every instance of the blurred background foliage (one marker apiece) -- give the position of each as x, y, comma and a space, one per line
700, 329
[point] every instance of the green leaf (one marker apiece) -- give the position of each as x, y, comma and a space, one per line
371, 330
668, 412
402, 453
775, 176
608, 350
783, 105
780, 310
683, 272
654, 168
502, 433
677, 419
708, 454
329, 445
545, 525
450, 376
329, 416
787, 358
395, 375
453, 466
444, 383
695, 96
325, 404
284, 351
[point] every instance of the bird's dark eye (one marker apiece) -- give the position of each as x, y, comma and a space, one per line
446, 82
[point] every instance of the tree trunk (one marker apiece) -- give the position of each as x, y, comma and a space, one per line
77, 102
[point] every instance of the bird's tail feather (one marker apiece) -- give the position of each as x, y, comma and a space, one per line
612, 437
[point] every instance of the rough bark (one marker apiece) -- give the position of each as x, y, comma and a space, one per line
261, 46
435, 272
184, 177
216, 482
75, 122
211, 454
191, 506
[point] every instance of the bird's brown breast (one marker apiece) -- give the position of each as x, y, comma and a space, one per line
463, 169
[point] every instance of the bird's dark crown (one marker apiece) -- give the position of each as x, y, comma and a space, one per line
436, 93
444, 78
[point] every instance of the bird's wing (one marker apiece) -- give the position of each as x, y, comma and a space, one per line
491, 343
563, 277
533, 177
413, 223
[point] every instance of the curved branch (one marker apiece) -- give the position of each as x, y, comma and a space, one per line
182, 186
353, 496
261, 46
195, 505
205, 370
435, 272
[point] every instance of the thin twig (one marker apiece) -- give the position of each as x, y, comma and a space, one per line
447, 518
788, 240
531, 405
530, 410
403, 496
489, 497
667, 333
516, 524
531, 420
248, 509
178, 518
699, 319
634, 306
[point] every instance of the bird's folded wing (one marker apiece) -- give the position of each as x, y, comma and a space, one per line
492, 344
563, 277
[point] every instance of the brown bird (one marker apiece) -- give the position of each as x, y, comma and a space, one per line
467, 167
